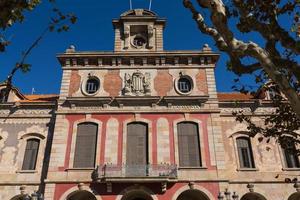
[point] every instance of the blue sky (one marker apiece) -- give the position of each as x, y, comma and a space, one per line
94, 31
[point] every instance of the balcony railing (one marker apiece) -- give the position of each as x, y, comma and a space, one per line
135, 171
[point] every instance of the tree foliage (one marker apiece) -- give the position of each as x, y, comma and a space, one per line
13, 11
271, 58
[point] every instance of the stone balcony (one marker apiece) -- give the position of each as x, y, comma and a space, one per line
135, 173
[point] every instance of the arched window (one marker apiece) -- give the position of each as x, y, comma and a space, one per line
136, 148
85, 148
188, 145
291, 158
245, 152
31, 153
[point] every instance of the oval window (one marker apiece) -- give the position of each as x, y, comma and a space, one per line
184, 85
92, 85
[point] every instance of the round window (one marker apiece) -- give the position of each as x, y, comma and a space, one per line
92, 85
139, 41
184, 85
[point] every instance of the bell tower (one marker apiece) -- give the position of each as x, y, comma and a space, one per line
139, 30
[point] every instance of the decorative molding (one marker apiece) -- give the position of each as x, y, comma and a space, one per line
26, 112
137, 84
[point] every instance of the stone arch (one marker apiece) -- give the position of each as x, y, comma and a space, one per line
81, 195
253, 196
74, 192
294, 196
137, 192
199, 191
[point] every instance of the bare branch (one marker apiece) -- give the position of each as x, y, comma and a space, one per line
239, 48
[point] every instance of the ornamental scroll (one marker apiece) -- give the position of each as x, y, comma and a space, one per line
137, 84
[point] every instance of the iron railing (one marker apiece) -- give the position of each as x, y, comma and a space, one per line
134, 171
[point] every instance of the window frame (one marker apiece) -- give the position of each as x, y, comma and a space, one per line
36, 156
150, 137
187, 118
96, 145
41, 151
85, 82
74, 128
198, 147
252, 158
176, 82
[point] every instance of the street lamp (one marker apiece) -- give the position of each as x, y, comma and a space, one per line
228, 195
34, 196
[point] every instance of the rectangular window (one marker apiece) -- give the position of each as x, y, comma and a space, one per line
30, 156
245, 152
85, 148
188, 145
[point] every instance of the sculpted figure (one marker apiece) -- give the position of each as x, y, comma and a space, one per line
127, 81
147, 83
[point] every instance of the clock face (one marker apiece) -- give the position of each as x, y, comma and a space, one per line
139, 41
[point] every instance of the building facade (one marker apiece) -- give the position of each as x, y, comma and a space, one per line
139, 123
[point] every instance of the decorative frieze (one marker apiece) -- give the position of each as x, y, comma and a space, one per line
25, 112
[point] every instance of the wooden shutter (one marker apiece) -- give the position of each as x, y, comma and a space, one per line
85, 148
245, 152
30, 156
137, 149
188, 145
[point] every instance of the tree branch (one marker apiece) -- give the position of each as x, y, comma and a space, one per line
240, 49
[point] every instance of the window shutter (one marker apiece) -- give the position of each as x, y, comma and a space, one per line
85, 148
30, 156
188, 145
136, 142
245, 152
137, 148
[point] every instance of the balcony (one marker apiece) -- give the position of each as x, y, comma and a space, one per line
135, 173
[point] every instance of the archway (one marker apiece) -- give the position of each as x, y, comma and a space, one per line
253, 196
192, 195
81, 195
137, 195
295, 196
19, 197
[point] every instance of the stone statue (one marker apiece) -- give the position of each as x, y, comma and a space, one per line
147, 83
127, 80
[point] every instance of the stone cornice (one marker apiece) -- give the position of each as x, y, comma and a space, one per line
164, 59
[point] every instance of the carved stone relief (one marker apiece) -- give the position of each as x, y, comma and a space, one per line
137, 84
